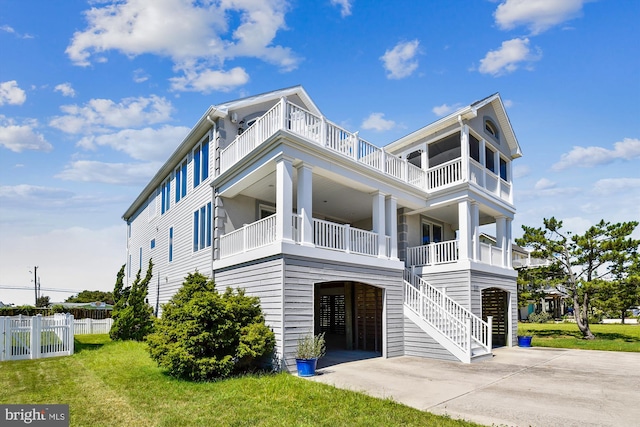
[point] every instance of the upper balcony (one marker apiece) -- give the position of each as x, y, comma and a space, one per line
289, 117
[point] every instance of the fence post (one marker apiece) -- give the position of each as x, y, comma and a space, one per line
36, 335
90, 325
5, 337
70, 334
490, 333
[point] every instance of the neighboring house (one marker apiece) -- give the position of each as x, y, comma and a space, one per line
377, 247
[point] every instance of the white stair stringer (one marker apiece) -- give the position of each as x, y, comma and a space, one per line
462, 333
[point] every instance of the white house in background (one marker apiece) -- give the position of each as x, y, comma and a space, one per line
377, 247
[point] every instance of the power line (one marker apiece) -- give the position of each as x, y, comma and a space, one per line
24, 288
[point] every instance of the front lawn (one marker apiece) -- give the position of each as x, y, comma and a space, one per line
610, 337
117, 384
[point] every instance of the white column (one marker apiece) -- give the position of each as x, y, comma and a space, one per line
508, 257
391, 224
464, 151
284, 199
379, 221
501, 235
475, 230
305, 204
464, 230
424, 159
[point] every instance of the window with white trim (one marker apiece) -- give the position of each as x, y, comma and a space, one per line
431, 233
202, 227
201, 162
503, 169
489, 159
166, 195
181, 181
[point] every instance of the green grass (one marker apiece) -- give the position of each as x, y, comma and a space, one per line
567, 335
117, 384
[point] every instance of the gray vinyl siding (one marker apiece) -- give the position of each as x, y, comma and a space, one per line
169, 276
420, 344
262, 279
300, 275
455, 283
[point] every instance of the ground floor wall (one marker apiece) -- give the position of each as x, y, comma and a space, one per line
481, 281
420, 344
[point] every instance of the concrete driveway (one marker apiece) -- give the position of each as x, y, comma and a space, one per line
517, 387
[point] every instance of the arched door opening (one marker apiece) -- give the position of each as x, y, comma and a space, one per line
350, 315
495, 303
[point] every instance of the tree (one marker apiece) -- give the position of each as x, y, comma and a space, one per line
580, 262
132, 316
617, 296
43, 301
205, 335
92, 296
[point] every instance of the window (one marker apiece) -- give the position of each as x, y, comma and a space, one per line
474, 148
489, 159
503, 169
201, 163
153, 243
265, 210
431, 233
170, 244
166, 195
181, 181
202, 227
491, 129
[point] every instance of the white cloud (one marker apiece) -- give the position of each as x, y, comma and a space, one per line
520, 171
506, 59
536, 15
20, 137
109, 173
11, 94
11, 30
196, 35
544, 184
608, 186
209, 80
507, 103
65, 89
140, 76
400, 61
33, 193
344, 5
627, 149
377, 122
144, 144
444, 109
97, 114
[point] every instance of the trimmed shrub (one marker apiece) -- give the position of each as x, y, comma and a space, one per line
204, 335
542, 317
132, 316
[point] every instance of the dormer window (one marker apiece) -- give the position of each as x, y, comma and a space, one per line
491, 129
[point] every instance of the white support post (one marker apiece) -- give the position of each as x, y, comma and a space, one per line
391, 224
464, 151
508, 257
355, 147
70, 334
422, 299
468, 337
490, 333
501, 225
284, 199
383, 161
305, 204
483, 162
379, 222
323, 132
347, 238
283, 107
464, 230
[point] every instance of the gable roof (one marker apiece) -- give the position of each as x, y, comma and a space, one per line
465, 113
202, 126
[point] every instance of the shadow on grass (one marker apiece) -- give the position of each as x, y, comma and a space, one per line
89, 342
559, 333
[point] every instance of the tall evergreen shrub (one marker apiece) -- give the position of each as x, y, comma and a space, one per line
132, 316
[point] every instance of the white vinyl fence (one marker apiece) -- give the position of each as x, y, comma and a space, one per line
23, 337
92, 326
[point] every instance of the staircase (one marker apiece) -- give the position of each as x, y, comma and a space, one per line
459, 331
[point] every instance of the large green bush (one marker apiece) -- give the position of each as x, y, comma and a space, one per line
204, 335
132, 316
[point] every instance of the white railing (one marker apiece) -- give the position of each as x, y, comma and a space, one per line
289, 116
434, 253
92, 326
343, 237
457, 324
36, 337
250, 236
445, 174
491, 255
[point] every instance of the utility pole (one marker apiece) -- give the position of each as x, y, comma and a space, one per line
35, 282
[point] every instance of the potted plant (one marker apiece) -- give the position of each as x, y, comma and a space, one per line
310, 349
524, 340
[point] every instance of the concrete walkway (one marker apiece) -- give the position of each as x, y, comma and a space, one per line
517, 387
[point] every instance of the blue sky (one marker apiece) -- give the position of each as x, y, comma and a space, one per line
94, 95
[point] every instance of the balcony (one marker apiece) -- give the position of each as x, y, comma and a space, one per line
326, 235
317, 130
447, 253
